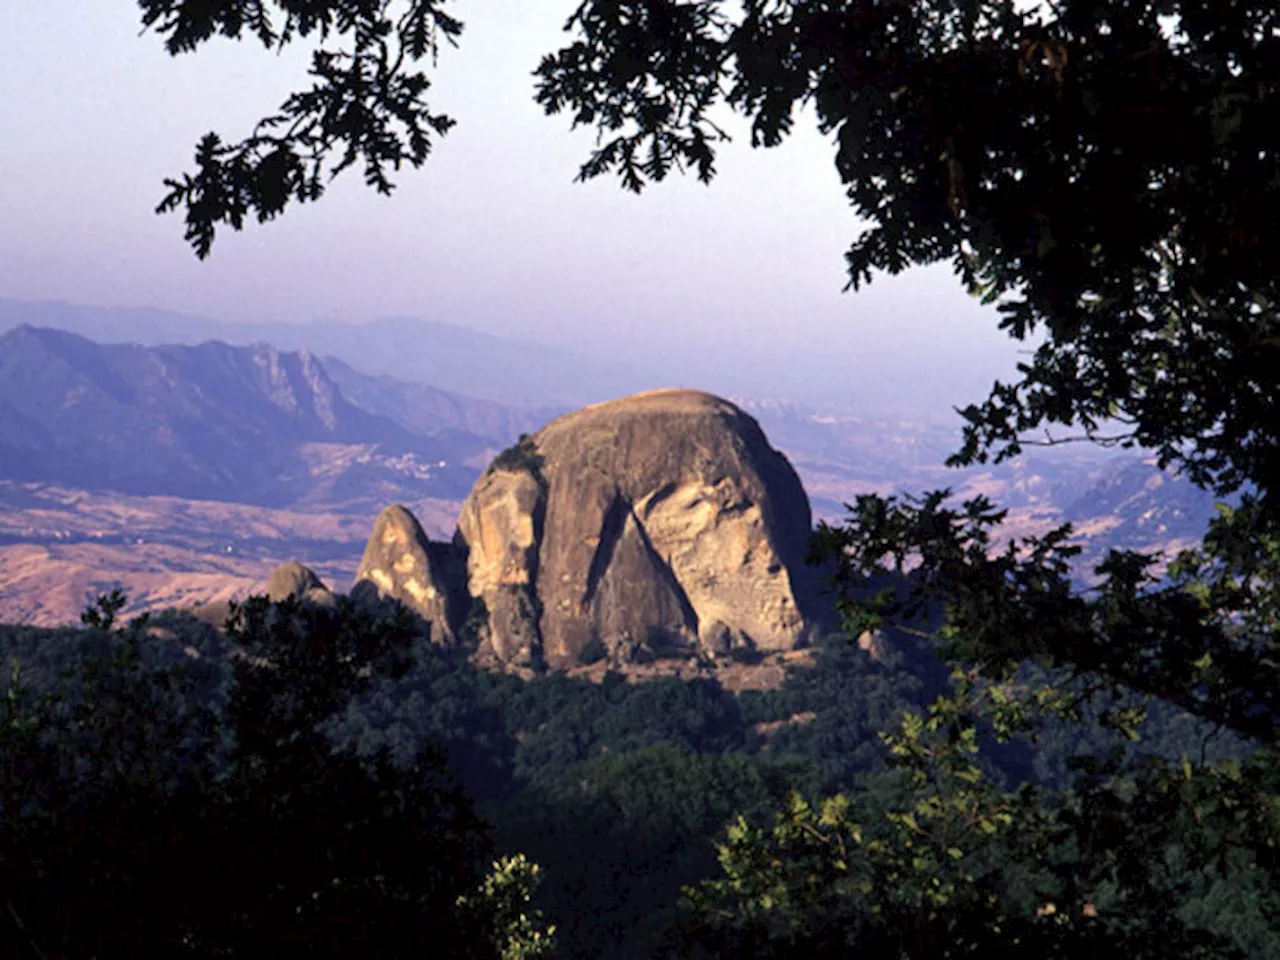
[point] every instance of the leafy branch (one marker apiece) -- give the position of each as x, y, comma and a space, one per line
367, 105
1203, 638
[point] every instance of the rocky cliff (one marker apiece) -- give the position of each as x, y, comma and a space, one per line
662, 524
401, 563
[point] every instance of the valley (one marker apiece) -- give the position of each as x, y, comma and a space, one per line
60, 547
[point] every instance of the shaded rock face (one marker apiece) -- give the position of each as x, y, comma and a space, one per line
661, 522
400, 563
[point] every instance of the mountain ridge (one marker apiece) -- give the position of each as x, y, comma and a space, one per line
448, 356
210, 420
430, 411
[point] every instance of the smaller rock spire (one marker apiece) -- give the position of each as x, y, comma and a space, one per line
401, 563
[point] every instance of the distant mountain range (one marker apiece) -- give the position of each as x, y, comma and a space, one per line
248, 424
259, 424
449, 357
432, 412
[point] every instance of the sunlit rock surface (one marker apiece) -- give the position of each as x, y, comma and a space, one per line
293, 580
660, 522
401, 563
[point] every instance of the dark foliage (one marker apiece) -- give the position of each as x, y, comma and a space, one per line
603, 784
366, 105
592, 652
521, 456
149, 812
641, 825
620, 790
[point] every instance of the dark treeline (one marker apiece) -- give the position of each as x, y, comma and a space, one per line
308, 720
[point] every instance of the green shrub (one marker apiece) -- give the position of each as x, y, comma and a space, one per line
528, 604
477, 619
521, 456
593, 652
665, 646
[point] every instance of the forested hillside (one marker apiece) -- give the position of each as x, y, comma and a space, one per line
620, 790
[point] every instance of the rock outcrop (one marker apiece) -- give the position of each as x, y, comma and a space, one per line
401, 563
661, 524
501, 529
293, 580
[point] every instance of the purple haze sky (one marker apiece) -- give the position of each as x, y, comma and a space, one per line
737, 283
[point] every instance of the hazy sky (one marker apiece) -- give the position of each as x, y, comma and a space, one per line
736, 284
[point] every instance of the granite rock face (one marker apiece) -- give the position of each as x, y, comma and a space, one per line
662, 522
501, 527
293, 580
401, 563
658, 524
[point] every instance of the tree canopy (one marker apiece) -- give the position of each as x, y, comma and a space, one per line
196, 806
366, 104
